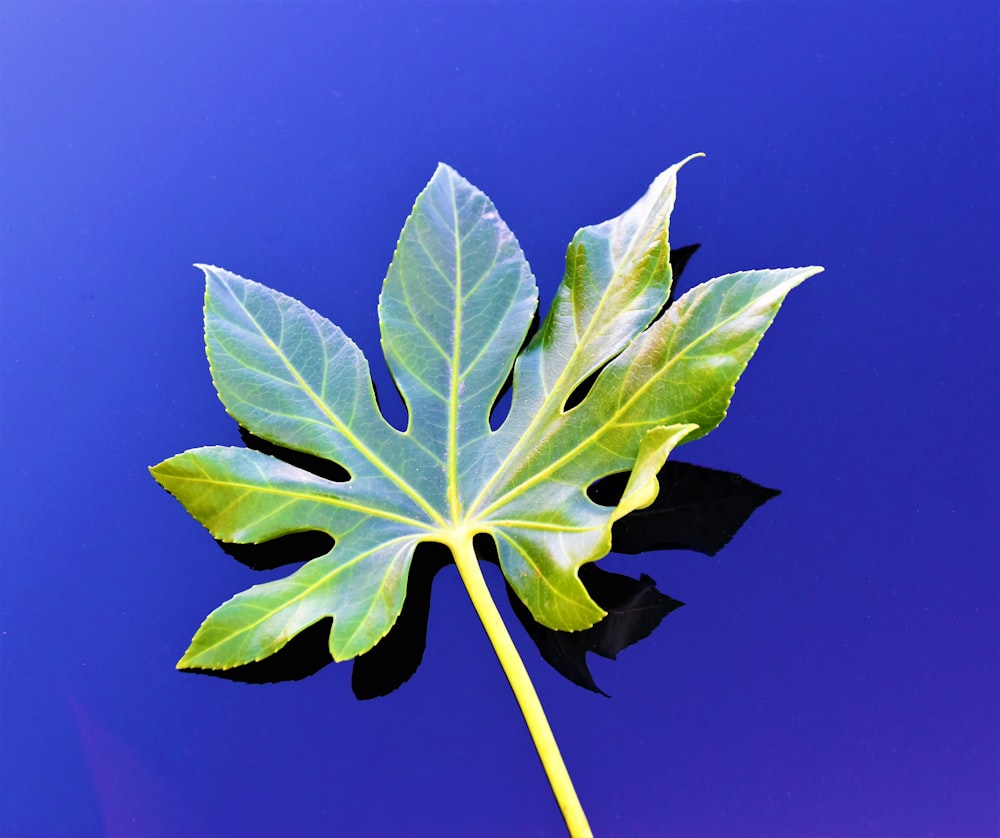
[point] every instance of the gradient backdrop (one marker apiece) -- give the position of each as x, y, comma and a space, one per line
835, 669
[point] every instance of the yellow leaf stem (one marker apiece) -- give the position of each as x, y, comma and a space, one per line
520, 683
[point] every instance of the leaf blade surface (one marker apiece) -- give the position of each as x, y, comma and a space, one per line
456, 304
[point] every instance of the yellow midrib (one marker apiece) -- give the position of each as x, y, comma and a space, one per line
335, 421
454, 501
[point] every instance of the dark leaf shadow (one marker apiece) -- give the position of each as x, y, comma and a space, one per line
698, 509
635, 609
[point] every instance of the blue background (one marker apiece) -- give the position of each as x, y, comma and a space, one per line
835, 669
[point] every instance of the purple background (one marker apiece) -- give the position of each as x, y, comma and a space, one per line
835, 669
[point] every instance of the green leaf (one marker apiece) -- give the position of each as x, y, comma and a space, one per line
454, 311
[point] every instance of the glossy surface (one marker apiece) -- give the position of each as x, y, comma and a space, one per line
834, 670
